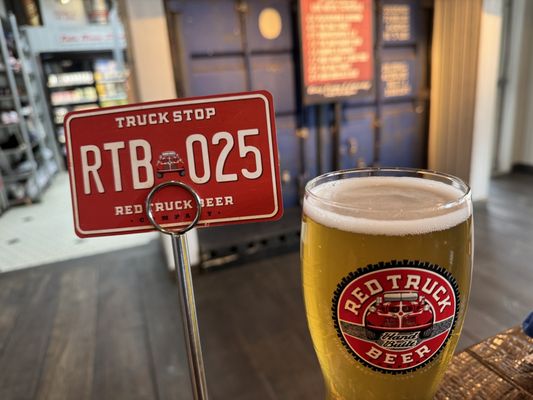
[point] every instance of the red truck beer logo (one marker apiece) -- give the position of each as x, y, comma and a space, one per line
170, 161
396, 317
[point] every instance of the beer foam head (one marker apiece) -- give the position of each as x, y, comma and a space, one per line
382, 205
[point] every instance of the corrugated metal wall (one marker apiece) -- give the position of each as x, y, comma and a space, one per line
454, 56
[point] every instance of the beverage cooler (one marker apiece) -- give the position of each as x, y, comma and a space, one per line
80, 49
77, 81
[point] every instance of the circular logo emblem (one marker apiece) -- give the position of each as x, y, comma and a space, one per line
396, 317
270, 23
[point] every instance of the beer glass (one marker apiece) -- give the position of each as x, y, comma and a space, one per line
386, 267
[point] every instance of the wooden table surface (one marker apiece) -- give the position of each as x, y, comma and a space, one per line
500, 367
106, 327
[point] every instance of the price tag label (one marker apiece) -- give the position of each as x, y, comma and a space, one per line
223, 147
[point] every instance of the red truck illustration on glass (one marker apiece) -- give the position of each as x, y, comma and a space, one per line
399, 311
169, 161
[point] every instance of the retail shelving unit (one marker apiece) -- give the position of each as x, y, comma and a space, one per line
28, 156
68, 91
33, 81
79, 81
4, 202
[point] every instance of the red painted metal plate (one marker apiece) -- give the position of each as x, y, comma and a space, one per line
223, 147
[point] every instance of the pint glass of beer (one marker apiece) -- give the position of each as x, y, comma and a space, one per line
386, 266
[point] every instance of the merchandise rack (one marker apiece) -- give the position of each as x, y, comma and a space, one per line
28, 155
91, 81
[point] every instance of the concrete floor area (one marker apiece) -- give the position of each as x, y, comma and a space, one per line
43, 232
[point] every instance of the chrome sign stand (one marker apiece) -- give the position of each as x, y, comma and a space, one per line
185, 289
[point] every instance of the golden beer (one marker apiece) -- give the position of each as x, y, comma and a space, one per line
386, 268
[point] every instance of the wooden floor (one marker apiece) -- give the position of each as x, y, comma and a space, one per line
106, 327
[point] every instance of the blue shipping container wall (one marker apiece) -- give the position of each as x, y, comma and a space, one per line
223, 47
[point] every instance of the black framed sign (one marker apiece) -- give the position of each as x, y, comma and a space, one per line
336, 48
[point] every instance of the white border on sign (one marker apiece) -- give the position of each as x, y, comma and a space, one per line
160, 105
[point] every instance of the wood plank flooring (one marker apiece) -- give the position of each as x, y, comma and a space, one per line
106, 327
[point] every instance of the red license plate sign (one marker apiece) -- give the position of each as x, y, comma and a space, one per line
223, 147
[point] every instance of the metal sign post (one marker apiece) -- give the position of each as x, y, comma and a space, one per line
185, 289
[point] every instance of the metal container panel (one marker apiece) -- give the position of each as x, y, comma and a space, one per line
289, 153
275, 73
216, 75
324, 137
310, 145
402, 143
362, 99
356, 141
209, 26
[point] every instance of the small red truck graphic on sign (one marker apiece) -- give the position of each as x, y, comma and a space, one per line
399, 311
169, 161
